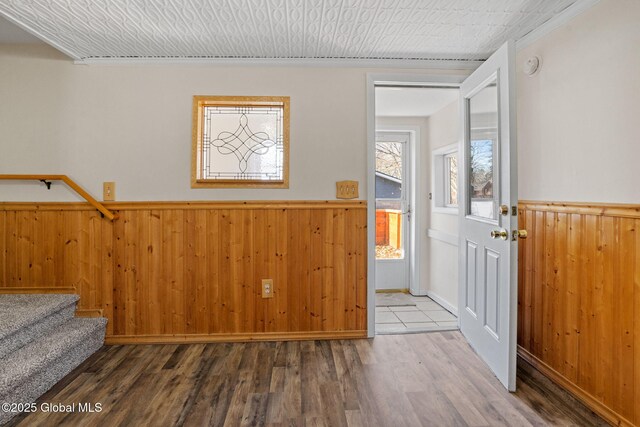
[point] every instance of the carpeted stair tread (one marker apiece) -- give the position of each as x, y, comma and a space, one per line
19, 311
43, 356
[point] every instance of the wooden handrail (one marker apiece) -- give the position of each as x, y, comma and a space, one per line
75, 187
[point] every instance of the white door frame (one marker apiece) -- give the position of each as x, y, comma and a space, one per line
435, 80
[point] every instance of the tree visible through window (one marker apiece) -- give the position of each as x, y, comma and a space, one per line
389, 159
481, 179
451, 179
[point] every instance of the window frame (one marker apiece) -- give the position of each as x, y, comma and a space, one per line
441, 192
202, 101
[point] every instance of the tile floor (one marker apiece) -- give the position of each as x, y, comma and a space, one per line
426, 315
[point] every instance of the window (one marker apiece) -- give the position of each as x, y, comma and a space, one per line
240, 141
390, 194
451, 180
445, 179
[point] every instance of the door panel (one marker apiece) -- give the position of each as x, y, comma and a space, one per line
471, 271
488, 178
492, 301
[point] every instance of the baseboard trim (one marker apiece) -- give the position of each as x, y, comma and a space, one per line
213, 338
37, 290
587, 399
444, 303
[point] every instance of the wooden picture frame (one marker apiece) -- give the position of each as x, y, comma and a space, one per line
229, 136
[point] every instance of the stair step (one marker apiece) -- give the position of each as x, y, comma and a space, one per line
27, 317
33, 369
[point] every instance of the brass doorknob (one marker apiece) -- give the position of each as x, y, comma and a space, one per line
520, 234
500, 234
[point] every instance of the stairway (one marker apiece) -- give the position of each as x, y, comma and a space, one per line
40, 343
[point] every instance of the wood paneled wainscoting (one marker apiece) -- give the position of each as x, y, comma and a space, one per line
179, 272
579, 302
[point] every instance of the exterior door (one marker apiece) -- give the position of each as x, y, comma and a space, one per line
392, 210
488, 246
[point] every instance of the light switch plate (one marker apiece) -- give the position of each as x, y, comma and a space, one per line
108, 191
347, 190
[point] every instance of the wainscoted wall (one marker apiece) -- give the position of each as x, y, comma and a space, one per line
579, 301
166, 272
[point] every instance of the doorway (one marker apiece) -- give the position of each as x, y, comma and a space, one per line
412, 293
487, 268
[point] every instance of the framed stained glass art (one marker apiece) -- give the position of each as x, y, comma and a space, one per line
240, 141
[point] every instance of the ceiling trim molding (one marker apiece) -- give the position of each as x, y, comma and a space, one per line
29, 29
556, 22
292, 62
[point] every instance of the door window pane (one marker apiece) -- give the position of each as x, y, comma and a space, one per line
389, 170
389, 229
389, 198
483, 156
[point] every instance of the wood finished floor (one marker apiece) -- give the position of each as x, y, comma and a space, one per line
429, 379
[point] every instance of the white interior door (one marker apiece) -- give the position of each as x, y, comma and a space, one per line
488, 251
393, 211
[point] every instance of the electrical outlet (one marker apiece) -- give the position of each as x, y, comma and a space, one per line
347, 190
108, 191
267, 288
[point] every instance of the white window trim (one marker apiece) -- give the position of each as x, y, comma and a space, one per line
438, 185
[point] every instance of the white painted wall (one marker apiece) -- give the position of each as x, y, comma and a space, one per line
132, 124
444, 129
578, 116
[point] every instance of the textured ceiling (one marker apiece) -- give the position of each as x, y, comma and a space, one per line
371, 29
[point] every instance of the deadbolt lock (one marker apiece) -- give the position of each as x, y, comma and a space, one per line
519, 234
504, 210
500, 234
